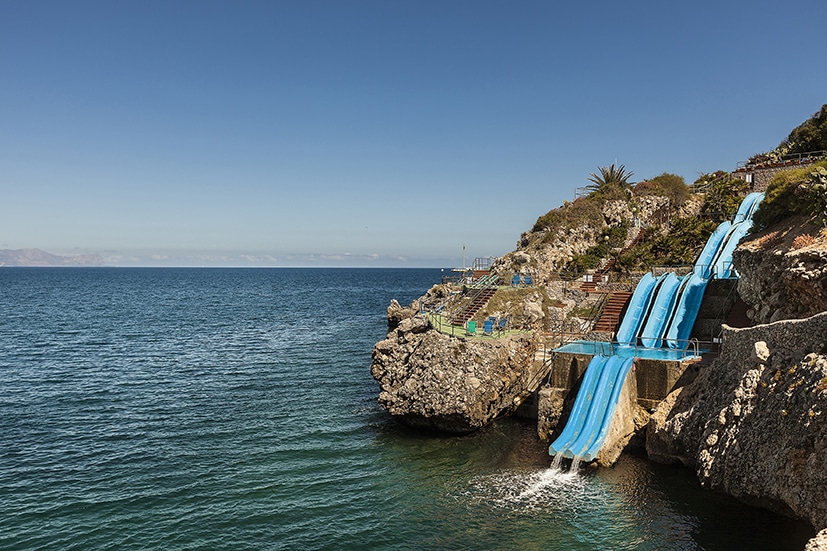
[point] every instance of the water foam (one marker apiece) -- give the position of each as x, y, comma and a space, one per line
527, 491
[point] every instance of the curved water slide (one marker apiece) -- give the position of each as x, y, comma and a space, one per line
719, 263
748, 207
585, 433
594, 431
598, 435
686, 311
636, 311
661, 311
703, 265
581, 405
722, 264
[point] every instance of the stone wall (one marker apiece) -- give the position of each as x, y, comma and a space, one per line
760, 178
753, 424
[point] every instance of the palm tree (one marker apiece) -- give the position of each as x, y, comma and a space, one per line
610, 176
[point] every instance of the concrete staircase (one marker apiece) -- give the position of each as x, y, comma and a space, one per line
481, 292
612, 312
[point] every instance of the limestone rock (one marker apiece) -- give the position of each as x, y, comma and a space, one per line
761, 352
756, 431
818, 543
779, 280
550, 409
431, 380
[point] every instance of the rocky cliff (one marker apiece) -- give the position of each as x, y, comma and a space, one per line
753, 423
784, 271
545, 252
436, 381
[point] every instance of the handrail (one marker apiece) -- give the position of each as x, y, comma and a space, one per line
691, 348
478, 287
597, 309
789, 158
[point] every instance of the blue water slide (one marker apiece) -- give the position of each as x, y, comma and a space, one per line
599, 436
704, 262
596, 409
722, 266
723, 263
636, 311
686, 311
660, 312
747, 207
581, 405
756, 204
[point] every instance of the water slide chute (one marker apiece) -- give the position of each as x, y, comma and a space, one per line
581, 405
599, 436
597, 407
636, 311
686, 311
660, 312
703, 265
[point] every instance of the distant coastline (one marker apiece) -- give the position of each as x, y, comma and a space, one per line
36, 257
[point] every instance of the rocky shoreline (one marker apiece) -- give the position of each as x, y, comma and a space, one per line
435, 381
751, 423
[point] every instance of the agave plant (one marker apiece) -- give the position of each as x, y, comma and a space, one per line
610, 176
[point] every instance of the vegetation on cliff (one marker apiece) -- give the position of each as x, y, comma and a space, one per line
808, 137
671, 222
801, 191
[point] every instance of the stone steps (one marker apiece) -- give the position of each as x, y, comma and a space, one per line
612, 312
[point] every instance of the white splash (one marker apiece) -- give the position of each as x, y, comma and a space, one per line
528, 490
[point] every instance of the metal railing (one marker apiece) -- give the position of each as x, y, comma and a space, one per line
783, 160
691, 348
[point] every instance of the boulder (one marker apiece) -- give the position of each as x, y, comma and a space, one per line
431, 380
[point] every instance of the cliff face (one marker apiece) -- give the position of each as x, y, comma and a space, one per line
545, 252
754, 423
435, 381
784, 271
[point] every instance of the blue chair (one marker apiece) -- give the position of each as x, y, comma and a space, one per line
527, 280
501, 325
488, 327
515, 280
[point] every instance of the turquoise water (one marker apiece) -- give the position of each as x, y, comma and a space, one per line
626, 351
234, 409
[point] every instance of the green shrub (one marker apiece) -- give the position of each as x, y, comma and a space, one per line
590, 260
637, 258
667, 185
683, 242
571, 215
724, 193
808, 137
811, 135
614, 236
791, 192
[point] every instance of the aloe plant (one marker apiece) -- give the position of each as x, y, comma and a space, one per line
609, 177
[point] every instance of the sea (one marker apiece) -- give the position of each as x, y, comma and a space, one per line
220, 408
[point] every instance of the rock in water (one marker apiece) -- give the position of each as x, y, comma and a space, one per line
436, 381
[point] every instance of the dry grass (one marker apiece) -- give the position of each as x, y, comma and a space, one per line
804, 240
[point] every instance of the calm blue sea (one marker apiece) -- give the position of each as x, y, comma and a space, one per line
234, 409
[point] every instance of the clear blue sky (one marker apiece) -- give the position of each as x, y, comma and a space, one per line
371, 133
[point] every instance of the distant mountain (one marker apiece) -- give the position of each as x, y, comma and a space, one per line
36, 257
